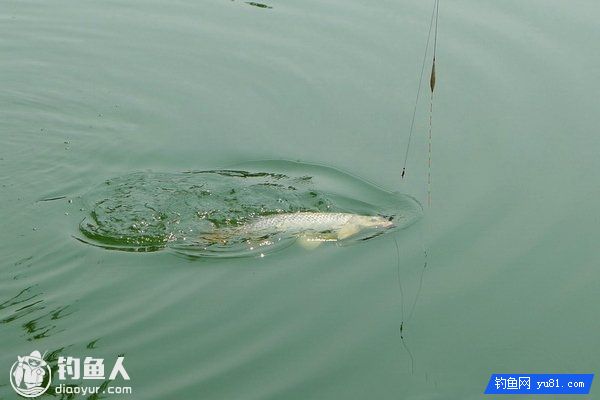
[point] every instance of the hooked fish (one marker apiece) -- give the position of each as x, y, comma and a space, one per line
313, 227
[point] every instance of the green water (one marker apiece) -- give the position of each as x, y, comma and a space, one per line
97, 90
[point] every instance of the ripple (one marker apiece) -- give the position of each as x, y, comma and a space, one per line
147, 211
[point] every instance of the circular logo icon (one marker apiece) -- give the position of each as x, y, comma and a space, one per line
30, 375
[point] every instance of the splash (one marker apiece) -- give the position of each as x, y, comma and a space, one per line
148, 211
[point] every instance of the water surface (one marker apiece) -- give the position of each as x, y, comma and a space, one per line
92, 91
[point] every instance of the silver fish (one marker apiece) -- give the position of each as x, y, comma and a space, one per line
318, 226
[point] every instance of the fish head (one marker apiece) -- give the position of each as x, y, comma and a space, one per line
358, 223
373, 221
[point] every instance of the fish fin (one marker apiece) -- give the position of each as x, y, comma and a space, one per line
308, 242
312, 241
347, 231
214, 238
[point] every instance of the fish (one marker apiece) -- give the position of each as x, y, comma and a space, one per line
312, 227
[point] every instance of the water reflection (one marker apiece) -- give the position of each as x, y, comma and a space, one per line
28, 303
259, 5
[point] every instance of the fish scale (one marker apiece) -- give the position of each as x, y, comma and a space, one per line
295, 222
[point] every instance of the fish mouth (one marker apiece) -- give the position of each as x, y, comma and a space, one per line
389, 221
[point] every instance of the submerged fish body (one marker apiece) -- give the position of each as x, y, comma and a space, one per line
330, 225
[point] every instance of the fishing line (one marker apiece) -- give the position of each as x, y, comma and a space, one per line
425, 261
432, 78
399, 285
402, 339
432, 87
412, 122
417, 295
